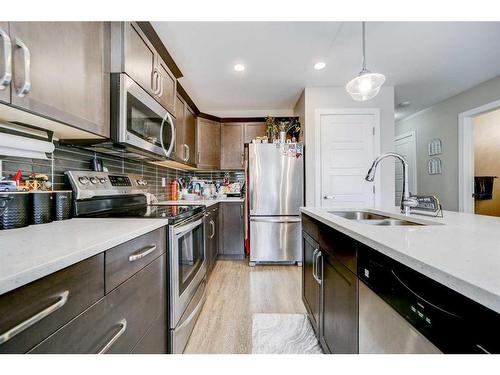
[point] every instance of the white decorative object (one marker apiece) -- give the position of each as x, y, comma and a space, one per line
435, 147
434, 166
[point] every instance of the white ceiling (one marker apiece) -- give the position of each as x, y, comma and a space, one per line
425, 61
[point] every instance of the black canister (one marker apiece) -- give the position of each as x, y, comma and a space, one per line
41, 207
62, 204
14, 210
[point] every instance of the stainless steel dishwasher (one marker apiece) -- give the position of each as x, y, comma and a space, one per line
404, 311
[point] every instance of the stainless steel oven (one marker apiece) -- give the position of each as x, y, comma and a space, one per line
187, 279
138, 120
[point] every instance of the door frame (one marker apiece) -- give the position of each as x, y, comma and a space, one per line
317, 144
413, 168
466, 154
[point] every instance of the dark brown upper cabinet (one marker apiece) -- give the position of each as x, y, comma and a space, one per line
60, 70
132, 53
208, 150
232, 145
185, 132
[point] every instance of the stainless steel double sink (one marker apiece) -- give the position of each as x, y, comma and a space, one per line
371, 218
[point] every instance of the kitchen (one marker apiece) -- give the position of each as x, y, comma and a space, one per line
181, 196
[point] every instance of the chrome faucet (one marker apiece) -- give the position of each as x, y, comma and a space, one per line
406, 200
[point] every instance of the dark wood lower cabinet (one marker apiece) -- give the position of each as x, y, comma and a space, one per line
156, 338
211, 237
117, 322
310, 287
339, 328
329, 287
232, 230
58, 298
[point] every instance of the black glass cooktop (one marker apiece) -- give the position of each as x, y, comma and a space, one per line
173, 214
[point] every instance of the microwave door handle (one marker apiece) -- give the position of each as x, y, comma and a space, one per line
172, 127
162, 128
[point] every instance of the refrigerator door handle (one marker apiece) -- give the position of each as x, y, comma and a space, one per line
276, 219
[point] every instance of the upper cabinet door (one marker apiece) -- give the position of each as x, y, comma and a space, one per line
253, 130
208, 144
61, 71
168, 85
139, 58
190, 135
5, 55
180, 119
232, 156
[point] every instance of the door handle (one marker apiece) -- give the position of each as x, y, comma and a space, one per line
328, 197
123, 328
24, 325
25, 88
155, 83
7, 55
276, 220
188, 152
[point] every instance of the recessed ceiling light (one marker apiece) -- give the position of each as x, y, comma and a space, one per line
239, 67
406, 103
319, 65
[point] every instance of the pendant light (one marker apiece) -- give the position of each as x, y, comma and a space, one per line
367, 84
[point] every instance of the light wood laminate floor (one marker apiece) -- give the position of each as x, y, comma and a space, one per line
235, 291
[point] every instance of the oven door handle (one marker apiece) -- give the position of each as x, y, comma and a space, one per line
180, 231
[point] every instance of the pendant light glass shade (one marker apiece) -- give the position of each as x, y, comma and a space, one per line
366, 85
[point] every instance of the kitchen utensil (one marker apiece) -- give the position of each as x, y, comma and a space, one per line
14, 210
41, 210
62, 205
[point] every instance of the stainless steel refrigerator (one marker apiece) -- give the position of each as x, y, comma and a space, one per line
275, 194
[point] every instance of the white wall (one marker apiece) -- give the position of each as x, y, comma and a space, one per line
337, 98
441, 121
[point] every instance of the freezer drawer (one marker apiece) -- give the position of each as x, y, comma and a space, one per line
275, 239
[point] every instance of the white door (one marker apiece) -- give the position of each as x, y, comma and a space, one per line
347, 151
405, 144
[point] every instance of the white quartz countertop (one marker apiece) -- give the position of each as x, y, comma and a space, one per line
463, 254
30, 253
201, 202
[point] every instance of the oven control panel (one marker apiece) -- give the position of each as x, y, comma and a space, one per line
88, 184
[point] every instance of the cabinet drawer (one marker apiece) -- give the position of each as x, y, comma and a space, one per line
117, 322
156, 338
50, 303
122, 261
310, 226
342, 247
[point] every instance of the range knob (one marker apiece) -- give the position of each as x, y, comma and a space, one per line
94, 180
84, 180
103, 180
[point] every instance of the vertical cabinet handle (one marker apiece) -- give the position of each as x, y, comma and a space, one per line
188, 152
62, 299
123, 327
25, 88
314, 263
7, 63
155, 84
213, 229
318, 277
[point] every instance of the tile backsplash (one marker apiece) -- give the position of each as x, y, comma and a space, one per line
72, 158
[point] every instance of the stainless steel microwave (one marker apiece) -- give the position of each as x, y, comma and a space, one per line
138, 121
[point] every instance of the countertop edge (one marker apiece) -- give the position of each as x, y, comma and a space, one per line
45, 269
461, 286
